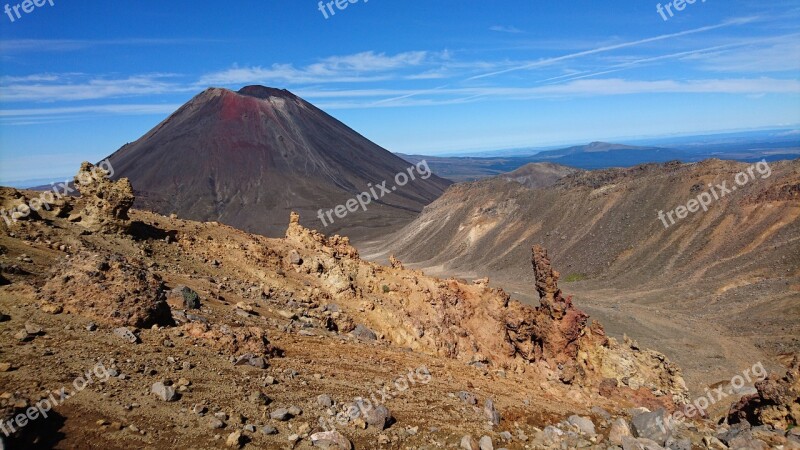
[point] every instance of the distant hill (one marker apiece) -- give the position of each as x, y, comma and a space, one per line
538, 175
248, 158
594, 147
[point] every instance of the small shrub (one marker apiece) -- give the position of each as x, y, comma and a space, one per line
573, 277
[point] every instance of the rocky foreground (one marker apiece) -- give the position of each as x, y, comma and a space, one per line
122, 328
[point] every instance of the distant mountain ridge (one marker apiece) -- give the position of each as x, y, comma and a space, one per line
596, 155
591, 148
605, 155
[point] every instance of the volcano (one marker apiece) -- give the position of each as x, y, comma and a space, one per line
248, 158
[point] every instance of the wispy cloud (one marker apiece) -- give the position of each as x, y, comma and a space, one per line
506, 29
13, 46
385, 98
75, 87
783, 56
704, 52
127, 109
571, 89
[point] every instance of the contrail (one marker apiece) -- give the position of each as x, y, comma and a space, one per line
548, 61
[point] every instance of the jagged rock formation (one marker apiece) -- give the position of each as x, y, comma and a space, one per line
395, 263
777, 402
334, 259
559, 324
104, 204
336, 246
480, 325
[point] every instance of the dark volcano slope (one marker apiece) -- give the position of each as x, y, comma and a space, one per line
247, 158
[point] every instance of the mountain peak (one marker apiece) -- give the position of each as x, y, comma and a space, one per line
599, 144
263, 149
264, 92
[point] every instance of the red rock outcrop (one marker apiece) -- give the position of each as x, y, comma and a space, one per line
777, 402
559, 326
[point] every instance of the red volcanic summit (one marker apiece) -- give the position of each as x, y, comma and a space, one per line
248, 158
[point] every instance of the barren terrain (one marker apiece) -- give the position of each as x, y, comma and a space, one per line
716, 291
147, 331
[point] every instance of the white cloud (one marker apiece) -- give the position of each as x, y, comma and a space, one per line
359, 67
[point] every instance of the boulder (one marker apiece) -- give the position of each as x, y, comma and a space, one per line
619, 430
490, 412
467, 398
468, 443
364, 333
163, 392
191, 300
584, 424
379, 417
652, 425
331, 440
324, 400
125, 293
234, 440
126, 334
280, 414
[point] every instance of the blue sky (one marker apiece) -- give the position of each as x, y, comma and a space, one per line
79, 79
